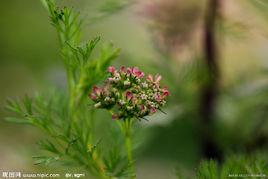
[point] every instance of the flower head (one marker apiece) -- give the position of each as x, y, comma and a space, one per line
127, 93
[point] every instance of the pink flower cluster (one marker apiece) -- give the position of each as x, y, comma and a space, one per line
128, 93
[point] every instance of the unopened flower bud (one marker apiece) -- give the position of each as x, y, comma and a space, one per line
111, 69
129, 95
117, 94
121, 102
129, 108
107, 99
97, 105
144, 85
143, 96
126, 83
153, 110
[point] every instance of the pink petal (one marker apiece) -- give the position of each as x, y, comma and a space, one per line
111, 69
129, 70
96, 90
166, 93
123, 69
141, 75
158, 78
153, 110
135, 70
158, 98
129, 95
150, 78
92, 96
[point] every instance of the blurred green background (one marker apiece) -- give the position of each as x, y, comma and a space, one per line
157, 36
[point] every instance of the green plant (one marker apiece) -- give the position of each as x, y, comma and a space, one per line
234, 166
237, 166
67, 118
128, 96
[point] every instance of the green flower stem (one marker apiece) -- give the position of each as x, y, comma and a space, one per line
126, 128
128, 144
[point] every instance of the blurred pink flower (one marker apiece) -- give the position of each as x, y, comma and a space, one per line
171, 22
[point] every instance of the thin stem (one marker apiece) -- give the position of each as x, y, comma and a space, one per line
126, 129
128, 142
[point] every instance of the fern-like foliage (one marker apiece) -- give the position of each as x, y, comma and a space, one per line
66, 118
252, 166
